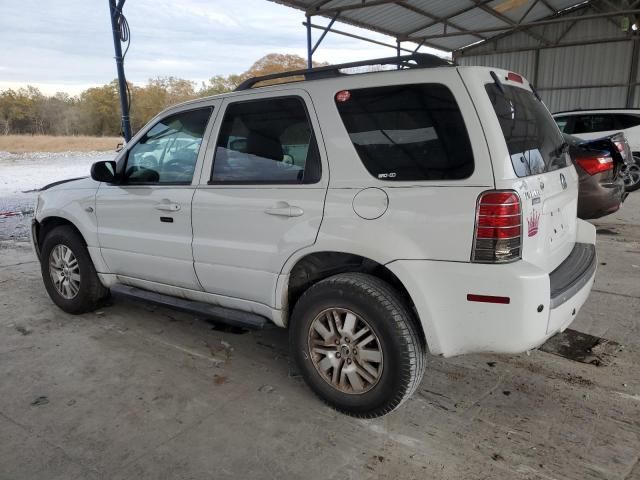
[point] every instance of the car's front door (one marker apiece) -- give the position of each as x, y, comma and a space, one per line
144, 220
262, 194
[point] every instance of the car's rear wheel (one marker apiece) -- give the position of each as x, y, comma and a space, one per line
357, 344
631, 175
68, 272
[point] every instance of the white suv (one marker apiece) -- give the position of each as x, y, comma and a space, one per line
592, 124
376, 215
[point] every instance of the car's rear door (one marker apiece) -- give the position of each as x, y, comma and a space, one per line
262, 193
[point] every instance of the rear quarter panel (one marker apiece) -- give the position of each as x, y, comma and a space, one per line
424, 219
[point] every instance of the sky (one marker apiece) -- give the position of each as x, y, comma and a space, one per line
66, 45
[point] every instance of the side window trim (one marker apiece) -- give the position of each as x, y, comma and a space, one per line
124, 157
207, 176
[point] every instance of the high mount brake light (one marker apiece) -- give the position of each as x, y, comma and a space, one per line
514, 77
498, 230
593, 164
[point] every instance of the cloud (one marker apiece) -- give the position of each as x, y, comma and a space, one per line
69, 42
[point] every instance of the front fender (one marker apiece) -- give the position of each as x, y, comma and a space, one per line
77, 207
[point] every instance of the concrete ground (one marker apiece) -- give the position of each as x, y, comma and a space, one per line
139, 391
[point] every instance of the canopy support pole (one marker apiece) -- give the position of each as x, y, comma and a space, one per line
115, 11
309, 48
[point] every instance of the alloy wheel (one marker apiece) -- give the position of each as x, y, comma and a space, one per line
345, 351
64, 271
631, 175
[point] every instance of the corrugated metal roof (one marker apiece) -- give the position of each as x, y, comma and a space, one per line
445, 24
563, 72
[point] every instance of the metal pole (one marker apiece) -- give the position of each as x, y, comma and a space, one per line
398, 47
324, 33
309, 47
357, 37
633, 73
122, 82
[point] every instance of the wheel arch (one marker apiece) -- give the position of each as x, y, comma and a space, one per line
44, 225
312, 267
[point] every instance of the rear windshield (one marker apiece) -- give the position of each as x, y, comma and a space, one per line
532, 136
407, 132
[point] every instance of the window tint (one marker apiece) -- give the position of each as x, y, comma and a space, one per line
625, 120
408, 132
593, 123
266, 141
532, 137
167, 153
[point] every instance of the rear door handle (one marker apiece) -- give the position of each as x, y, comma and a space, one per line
167, 206
283, 209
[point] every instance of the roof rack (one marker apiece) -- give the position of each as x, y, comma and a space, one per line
415, 60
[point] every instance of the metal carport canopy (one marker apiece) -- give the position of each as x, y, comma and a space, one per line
447, 25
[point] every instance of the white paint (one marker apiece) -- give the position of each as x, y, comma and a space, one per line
224, 248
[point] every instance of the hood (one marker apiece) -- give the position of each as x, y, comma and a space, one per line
78, 182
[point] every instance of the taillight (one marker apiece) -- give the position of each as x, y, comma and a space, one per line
498, 232
593, 164
621, 148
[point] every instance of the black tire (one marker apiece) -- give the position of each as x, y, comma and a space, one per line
636, 184
386, 313
91, 291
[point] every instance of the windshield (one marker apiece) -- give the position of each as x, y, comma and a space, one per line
534, 141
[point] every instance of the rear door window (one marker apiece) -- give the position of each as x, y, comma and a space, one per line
407, 132
266, 141
532, 136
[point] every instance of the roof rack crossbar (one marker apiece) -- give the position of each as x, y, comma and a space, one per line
414, 60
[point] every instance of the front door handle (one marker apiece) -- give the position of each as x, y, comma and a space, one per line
283, 209
167, 206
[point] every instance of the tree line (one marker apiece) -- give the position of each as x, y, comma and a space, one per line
96, 111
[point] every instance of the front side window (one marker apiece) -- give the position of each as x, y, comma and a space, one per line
407, 132
535, 144
266, 141
167, 153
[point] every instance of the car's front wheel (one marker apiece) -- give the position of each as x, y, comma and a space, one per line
68, 272
357, 344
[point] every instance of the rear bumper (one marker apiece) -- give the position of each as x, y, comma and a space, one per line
596, 199
540, 305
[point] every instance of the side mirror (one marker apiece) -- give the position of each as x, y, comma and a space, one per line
104, 171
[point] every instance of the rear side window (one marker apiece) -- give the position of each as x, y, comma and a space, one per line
533, 139
407, 132
627, 121
592, 123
